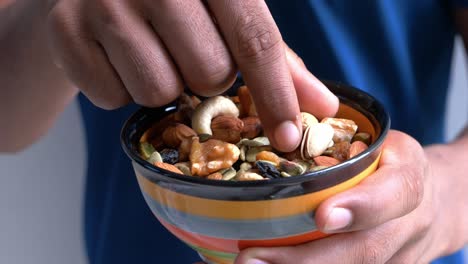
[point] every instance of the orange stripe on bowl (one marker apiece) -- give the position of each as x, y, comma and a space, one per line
234, 246
248, 209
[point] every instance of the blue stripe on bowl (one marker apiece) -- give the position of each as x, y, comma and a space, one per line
234, 229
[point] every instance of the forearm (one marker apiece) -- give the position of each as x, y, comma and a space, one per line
33, 91
449, 167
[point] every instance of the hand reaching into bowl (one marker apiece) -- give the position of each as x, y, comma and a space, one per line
409, 211
146, 51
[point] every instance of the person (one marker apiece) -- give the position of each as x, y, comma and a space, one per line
412, 210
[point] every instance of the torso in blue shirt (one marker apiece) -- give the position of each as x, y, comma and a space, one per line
397, 50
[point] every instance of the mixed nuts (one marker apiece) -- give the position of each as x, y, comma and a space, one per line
221, 138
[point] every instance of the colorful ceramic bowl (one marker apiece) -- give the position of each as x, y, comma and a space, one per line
220, 218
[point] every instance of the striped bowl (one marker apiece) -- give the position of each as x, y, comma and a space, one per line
220, 218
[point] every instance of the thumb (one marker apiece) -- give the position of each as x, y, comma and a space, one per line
313, 96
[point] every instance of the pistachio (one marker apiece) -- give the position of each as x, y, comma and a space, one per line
344, 129
307, 120
245, 166
248, 176
316, 140
184, 167
291, 168
362, 136
256, 142
317, 168
207, 110
146, 149
229, 174
155, 157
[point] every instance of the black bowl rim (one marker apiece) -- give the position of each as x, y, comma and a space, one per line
317, 176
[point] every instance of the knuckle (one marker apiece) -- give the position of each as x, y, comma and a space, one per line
217, 74
109, 14
155, 94
257, 38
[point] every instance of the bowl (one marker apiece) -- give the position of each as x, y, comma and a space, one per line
220, 218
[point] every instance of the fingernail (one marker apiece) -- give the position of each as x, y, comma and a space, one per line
256, 261
338, 218
287, 136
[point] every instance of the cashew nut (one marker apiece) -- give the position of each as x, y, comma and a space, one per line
207, 110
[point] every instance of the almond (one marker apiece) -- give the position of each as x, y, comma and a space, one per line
167, 166
252, 127
176, 133
356, 148
227, 128
215, 176
326, 161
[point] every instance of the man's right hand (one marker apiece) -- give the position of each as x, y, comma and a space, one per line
117, 51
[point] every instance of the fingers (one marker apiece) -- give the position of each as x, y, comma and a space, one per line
314, 97
394, 190
197, 47
138, 55
370, 246
257, 48
83, 59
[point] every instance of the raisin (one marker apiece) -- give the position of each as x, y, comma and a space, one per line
170, 156
267, 169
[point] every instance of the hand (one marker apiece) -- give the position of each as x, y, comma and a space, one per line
117, 51
400, 214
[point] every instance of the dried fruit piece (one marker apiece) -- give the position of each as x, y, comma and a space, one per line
268, 156
267, 169
362, 136
227, 128
146, 149
251, 153
170, 156
326, 161
356, 148
168, 167
344, 128
211, 156
252, 127
247, 105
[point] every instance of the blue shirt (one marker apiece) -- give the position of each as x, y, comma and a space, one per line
398, 50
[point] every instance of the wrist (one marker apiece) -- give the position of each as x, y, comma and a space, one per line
447, 168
